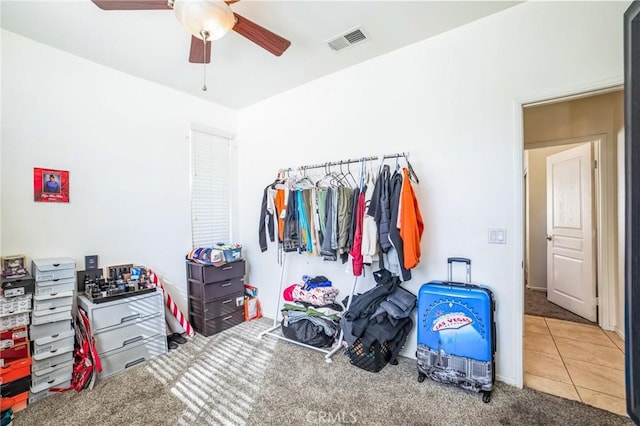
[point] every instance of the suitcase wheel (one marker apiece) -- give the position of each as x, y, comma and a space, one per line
486, 396
421, 377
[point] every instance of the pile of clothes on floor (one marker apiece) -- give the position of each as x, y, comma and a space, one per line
377, 323
311, 314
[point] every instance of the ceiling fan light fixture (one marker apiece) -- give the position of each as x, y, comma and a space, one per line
211, 17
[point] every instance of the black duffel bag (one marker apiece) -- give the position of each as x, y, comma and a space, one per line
305, 331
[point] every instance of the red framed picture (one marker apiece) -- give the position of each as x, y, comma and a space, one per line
50, 185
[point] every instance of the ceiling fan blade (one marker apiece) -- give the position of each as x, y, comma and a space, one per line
230, 2
131, 4
261, 36
198, 51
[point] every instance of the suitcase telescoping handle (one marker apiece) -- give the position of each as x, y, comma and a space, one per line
453, 260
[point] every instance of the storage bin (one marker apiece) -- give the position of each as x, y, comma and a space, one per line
49, 329
47, 360
15, 305
54, 287
12, 337
52, 344
43, 302
14, 353
16, 403
17, 286
209, 327
13, 321
52, 315
41, 394
15, 370
208, 273
52, 374
53, 268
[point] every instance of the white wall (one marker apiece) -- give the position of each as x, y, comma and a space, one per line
124, 143
452, 101
537, 213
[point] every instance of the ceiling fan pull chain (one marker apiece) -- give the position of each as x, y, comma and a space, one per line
205, 36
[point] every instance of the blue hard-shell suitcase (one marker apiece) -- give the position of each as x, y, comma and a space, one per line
457, 333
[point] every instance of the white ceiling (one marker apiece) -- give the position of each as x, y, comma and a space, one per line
153, 45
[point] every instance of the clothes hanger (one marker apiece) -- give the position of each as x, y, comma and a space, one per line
412, 173
353, 183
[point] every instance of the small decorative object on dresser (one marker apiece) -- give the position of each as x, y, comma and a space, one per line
216, 296
13, 266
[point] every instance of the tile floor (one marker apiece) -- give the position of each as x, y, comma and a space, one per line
575, 361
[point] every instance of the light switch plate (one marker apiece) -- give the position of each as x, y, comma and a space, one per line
497, 236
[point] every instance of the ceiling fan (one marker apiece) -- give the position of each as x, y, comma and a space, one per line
206, 20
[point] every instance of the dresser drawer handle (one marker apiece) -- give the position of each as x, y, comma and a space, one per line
132, 340
53, 336
226, 301
225, 284
56, 279
53, 294
226, 268
132, 363
227, 318
130, 318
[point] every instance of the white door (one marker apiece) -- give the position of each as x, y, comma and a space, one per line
571, 280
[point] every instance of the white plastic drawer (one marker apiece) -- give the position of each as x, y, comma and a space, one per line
47, 301
121, 337
50, 375
63, 376
48, 329
51, 315
49, 360
127, 311
53, 268
121, 359
55, 287
35, 397
15, 305
53, 343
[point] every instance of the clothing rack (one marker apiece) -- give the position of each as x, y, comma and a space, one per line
397, 155
272, 330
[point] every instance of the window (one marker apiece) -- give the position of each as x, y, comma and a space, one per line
211, 180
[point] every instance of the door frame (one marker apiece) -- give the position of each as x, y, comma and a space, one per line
518, 105
606, 261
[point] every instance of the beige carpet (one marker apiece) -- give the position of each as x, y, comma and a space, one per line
233, 378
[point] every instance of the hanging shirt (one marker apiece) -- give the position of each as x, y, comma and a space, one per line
397, 254
369, 226
411, 225
356, 250
281, 207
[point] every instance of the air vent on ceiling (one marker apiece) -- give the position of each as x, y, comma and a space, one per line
347, 39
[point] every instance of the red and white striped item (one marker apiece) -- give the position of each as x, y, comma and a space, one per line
171, 305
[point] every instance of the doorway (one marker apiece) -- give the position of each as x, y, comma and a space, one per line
565, 354
556, 255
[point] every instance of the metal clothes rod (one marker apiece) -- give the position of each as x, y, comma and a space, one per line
349, 161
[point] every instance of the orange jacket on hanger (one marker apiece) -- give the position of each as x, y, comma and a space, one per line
410, 223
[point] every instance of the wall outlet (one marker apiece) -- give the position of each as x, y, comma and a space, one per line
497, 236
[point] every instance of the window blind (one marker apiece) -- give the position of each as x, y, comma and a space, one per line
210, 189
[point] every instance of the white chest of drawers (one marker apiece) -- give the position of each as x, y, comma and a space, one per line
127, 331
